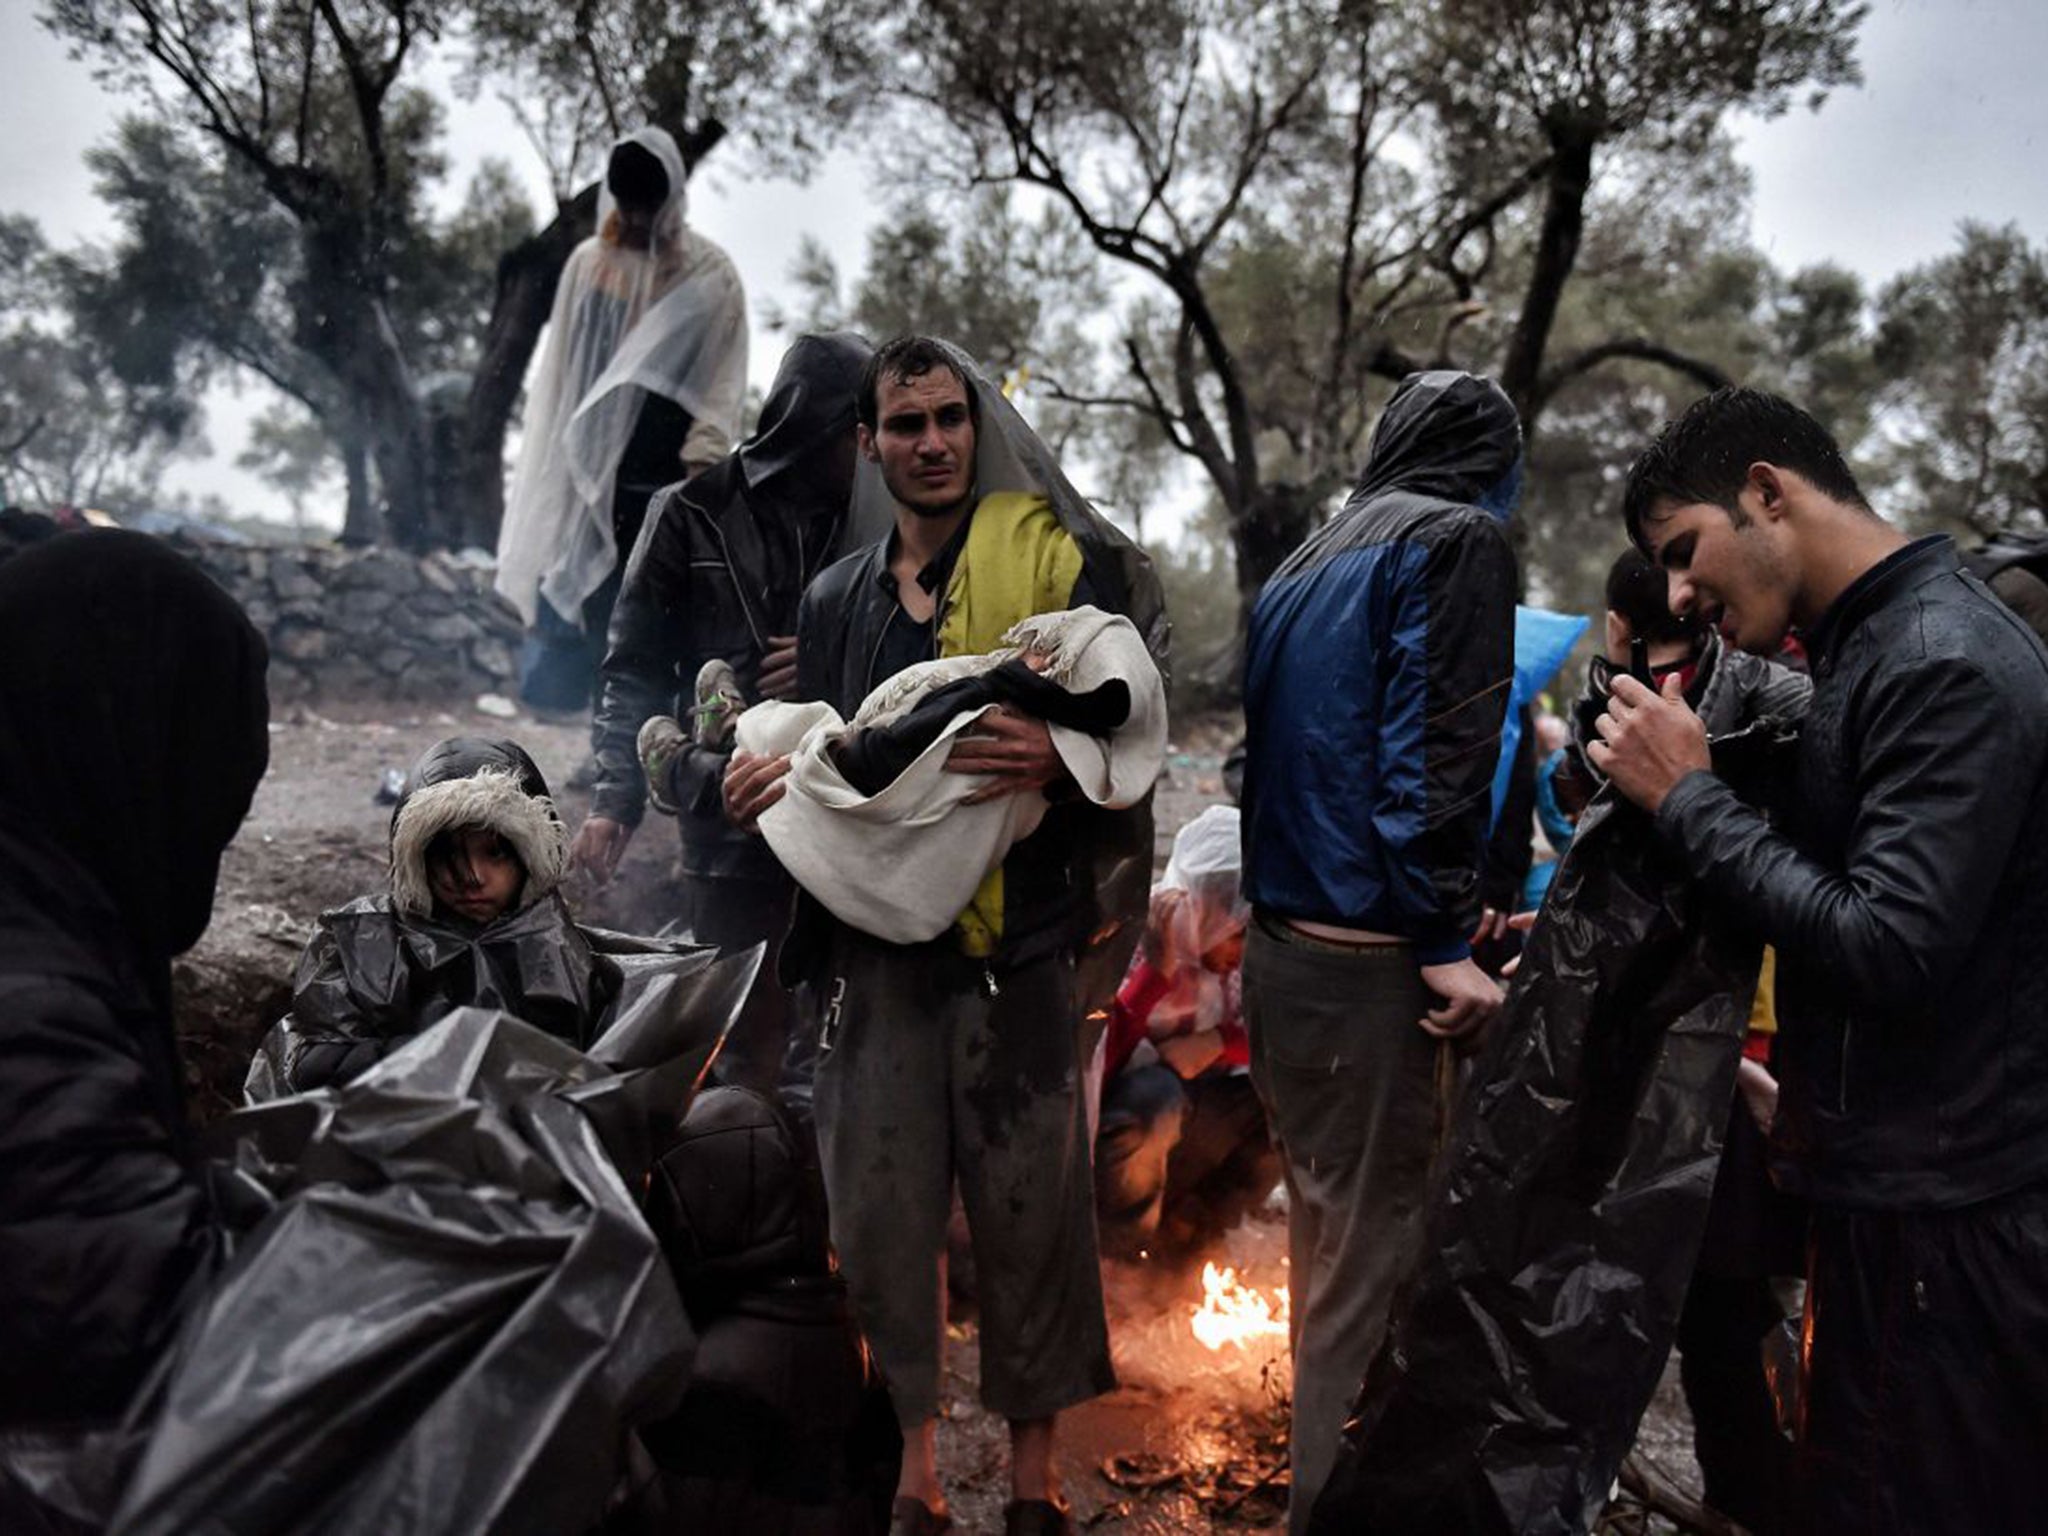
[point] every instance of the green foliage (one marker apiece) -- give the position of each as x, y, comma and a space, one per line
1962, 343
292, 451
72, 432
782, 73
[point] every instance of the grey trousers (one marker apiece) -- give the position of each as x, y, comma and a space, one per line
924, 1078
1357, 1096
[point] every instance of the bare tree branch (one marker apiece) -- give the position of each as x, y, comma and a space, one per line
1638, 347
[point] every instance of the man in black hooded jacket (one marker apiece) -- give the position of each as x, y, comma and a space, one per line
717, 574
1906, 896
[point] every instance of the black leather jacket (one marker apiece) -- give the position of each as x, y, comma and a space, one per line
1906, 896
718, 568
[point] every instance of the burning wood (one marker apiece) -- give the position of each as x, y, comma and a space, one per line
1237, 1314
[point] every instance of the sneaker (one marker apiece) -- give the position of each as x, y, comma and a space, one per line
719, 705
661, 742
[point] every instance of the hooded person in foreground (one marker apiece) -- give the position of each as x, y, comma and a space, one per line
1905, 896
712, 586
132, 736
1377, 677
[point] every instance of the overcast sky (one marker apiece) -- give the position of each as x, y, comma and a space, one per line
1951, 124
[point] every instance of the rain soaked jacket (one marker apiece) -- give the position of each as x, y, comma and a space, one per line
383, 968
1906, 896
1377, 675
132, 707
719, 567
1086, 871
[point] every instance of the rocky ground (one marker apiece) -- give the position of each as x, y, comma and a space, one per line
1194, 1440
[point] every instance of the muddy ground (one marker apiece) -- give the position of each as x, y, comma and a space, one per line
1194, 1440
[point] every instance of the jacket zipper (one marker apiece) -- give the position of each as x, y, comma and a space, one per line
738, 587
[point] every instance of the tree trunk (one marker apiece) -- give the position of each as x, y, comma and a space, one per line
343, 324
1557, 253
359, 521
1262, 535
527, 278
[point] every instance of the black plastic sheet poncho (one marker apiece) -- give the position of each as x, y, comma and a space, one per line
447, 1313
1569, 1204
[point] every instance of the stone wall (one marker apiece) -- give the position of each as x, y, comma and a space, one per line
369, 621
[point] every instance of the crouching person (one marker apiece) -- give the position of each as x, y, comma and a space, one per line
786, 1428
1182, 1152
473, 918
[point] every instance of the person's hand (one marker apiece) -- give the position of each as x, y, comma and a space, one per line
1521, 922
1648, 741
752, 783
1015, 748
600, 842
1759, 1092
778, 668
1471, 999
1493, 924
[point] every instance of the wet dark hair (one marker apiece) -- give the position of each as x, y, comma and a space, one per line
445, 855
1638, 591
901, 359
636, 176
1704, 456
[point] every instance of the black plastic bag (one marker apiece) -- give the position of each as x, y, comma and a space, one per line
1568, 1207
452, 1313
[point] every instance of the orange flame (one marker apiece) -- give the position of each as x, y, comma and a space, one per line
1234, 1313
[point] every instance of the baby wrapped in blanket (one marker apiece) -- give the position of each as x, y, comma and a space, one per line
875, 828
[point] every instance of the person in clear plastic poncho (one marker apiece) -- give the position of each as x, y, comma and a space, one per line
639, 384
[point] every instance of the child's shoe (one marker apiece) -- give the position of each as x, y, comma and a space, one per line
660, 743
719, 705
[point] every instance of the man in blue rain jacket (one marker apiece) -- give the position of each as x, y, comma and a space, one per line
1377, 676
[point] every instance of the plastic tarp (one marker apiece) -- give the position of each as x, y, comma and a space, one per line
1568, 1207
1542, 642
448, 1312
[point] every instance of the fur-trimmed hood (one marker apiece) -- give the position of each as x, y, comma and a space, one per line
466, 781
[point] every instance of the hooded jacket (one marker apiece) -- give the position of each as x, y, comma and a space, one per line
1377, 676
719, 567
133, 710
1906, 895
382, 968
1086, 873
786, 1426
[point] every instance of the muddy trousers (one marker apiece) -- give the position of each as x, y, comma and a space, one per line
1357, 1097
1926, 1384
925, 1078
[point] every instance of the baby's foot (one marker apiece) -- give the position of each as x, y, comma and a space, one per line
661, 742
719, 704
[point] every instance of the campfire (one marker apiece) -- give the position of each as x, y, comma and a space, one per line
1235, 1314
1224, 1341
